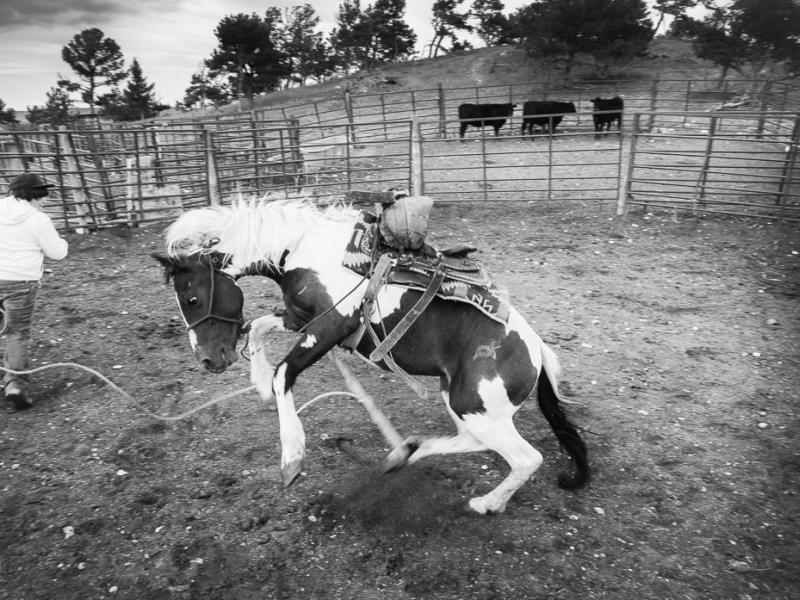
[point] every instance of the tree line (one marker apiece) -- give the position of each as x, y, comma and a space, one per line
280, 49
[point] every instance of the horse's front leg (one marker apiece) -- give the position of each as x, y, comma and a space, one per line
313, 345
260, 370
262, 375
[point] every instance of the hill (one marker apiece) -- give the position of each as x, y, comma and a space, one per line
501, 65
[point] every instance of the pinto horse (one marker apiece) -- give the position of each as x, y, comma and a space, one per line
486, 368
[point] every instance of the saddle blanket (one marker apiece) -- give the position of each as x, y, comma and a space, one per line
465, 279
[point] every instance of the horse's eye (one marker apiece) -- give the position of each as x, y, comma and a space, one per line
192, 301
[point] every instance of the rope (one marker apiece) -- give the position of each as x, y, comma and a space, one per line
128, 397
326, 395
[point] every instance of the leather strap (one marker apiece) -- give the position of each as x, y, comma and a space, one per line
377, 279
408, 319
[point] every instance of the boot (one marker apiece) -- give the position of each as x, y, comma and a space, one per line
15, 395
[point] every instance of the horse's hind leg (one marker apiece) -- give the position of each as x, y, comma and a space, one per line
478, 432
500, 435
415, 448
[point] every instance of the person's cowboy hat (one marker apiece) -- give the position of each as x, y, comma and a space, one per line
27, 182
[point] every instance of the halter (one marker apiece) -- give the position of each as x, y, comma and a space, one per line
210, 313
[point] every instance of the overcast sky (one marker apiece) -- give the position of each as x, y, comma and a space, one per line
169, 38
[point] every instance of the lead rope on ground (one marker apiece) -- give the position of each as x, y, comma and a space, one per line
128, 397
180, 416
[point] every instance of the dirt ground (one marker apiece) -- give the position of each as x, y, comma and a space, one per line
679, 337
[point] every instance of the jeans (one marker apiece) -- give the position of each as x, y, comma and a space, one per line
18, 300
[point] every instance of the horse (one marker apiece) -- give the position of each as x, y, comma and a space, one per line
486, 367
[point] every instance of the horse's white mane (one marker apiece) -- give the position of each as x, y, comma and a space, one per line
249, 231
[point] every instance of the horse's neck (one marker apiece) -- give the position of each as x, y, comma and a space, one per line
265, 237
267, 240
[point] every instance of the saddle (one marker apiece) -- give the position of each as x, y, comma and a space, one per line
378, 250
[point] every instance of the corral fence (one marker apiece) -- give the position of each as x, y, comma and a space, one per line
725, 162
150, 172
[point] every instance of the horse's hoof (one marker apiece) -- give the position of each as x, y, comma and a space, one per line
483, 507
398, 458
291, 471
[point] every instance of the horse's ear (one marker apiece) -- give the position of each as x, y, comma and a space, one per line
167, 262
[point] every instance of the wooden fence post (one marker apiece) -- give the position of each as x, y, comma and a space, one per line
133, 181
348, 162
550, 159
417, 176
80, 176
316, 113
348, 108
23, 166
624, 187
653, 102
79, 196
256, 161
789, 166
293, 135
102, 173
702, 179
212, 181
765, 92
284, 170
159, 175
62, 186
383, 117
483, 166
686, 99
442, 113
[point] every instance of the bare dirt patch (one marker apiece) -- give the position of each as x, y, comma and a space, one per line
678, 338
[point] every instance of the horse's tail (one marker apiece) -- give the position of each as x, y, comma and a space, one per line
567, 434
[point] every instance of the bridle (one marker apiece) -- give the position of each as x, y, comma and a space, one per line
210, 312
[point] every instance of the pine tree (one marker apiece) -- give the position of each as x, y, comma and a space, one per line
392, 39
304, 47
204, 90
446, 22
492, 23
98, 62
7, 115
350, 37
137, 101
247, 55
761, 34
55, 112
611, 31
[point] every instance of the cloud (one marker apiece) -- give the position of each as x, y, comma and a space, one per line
15, 14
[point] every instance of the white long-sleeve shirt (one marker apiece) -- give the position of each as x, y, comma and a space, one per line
27, 236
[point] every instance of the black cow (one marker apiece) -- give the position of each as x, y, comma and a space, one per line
604, 120
553, 110
479, 115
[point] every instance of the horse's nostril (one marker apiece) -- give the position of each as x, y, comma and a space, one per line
231, 357
206, 363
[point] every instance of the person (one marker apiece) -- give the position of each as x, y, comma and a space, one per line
27, 236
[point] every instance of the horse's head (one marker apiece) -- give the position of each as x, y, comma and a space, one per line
211, 304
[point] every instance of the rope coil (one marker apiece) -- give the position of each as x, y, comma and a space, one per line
128, 397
